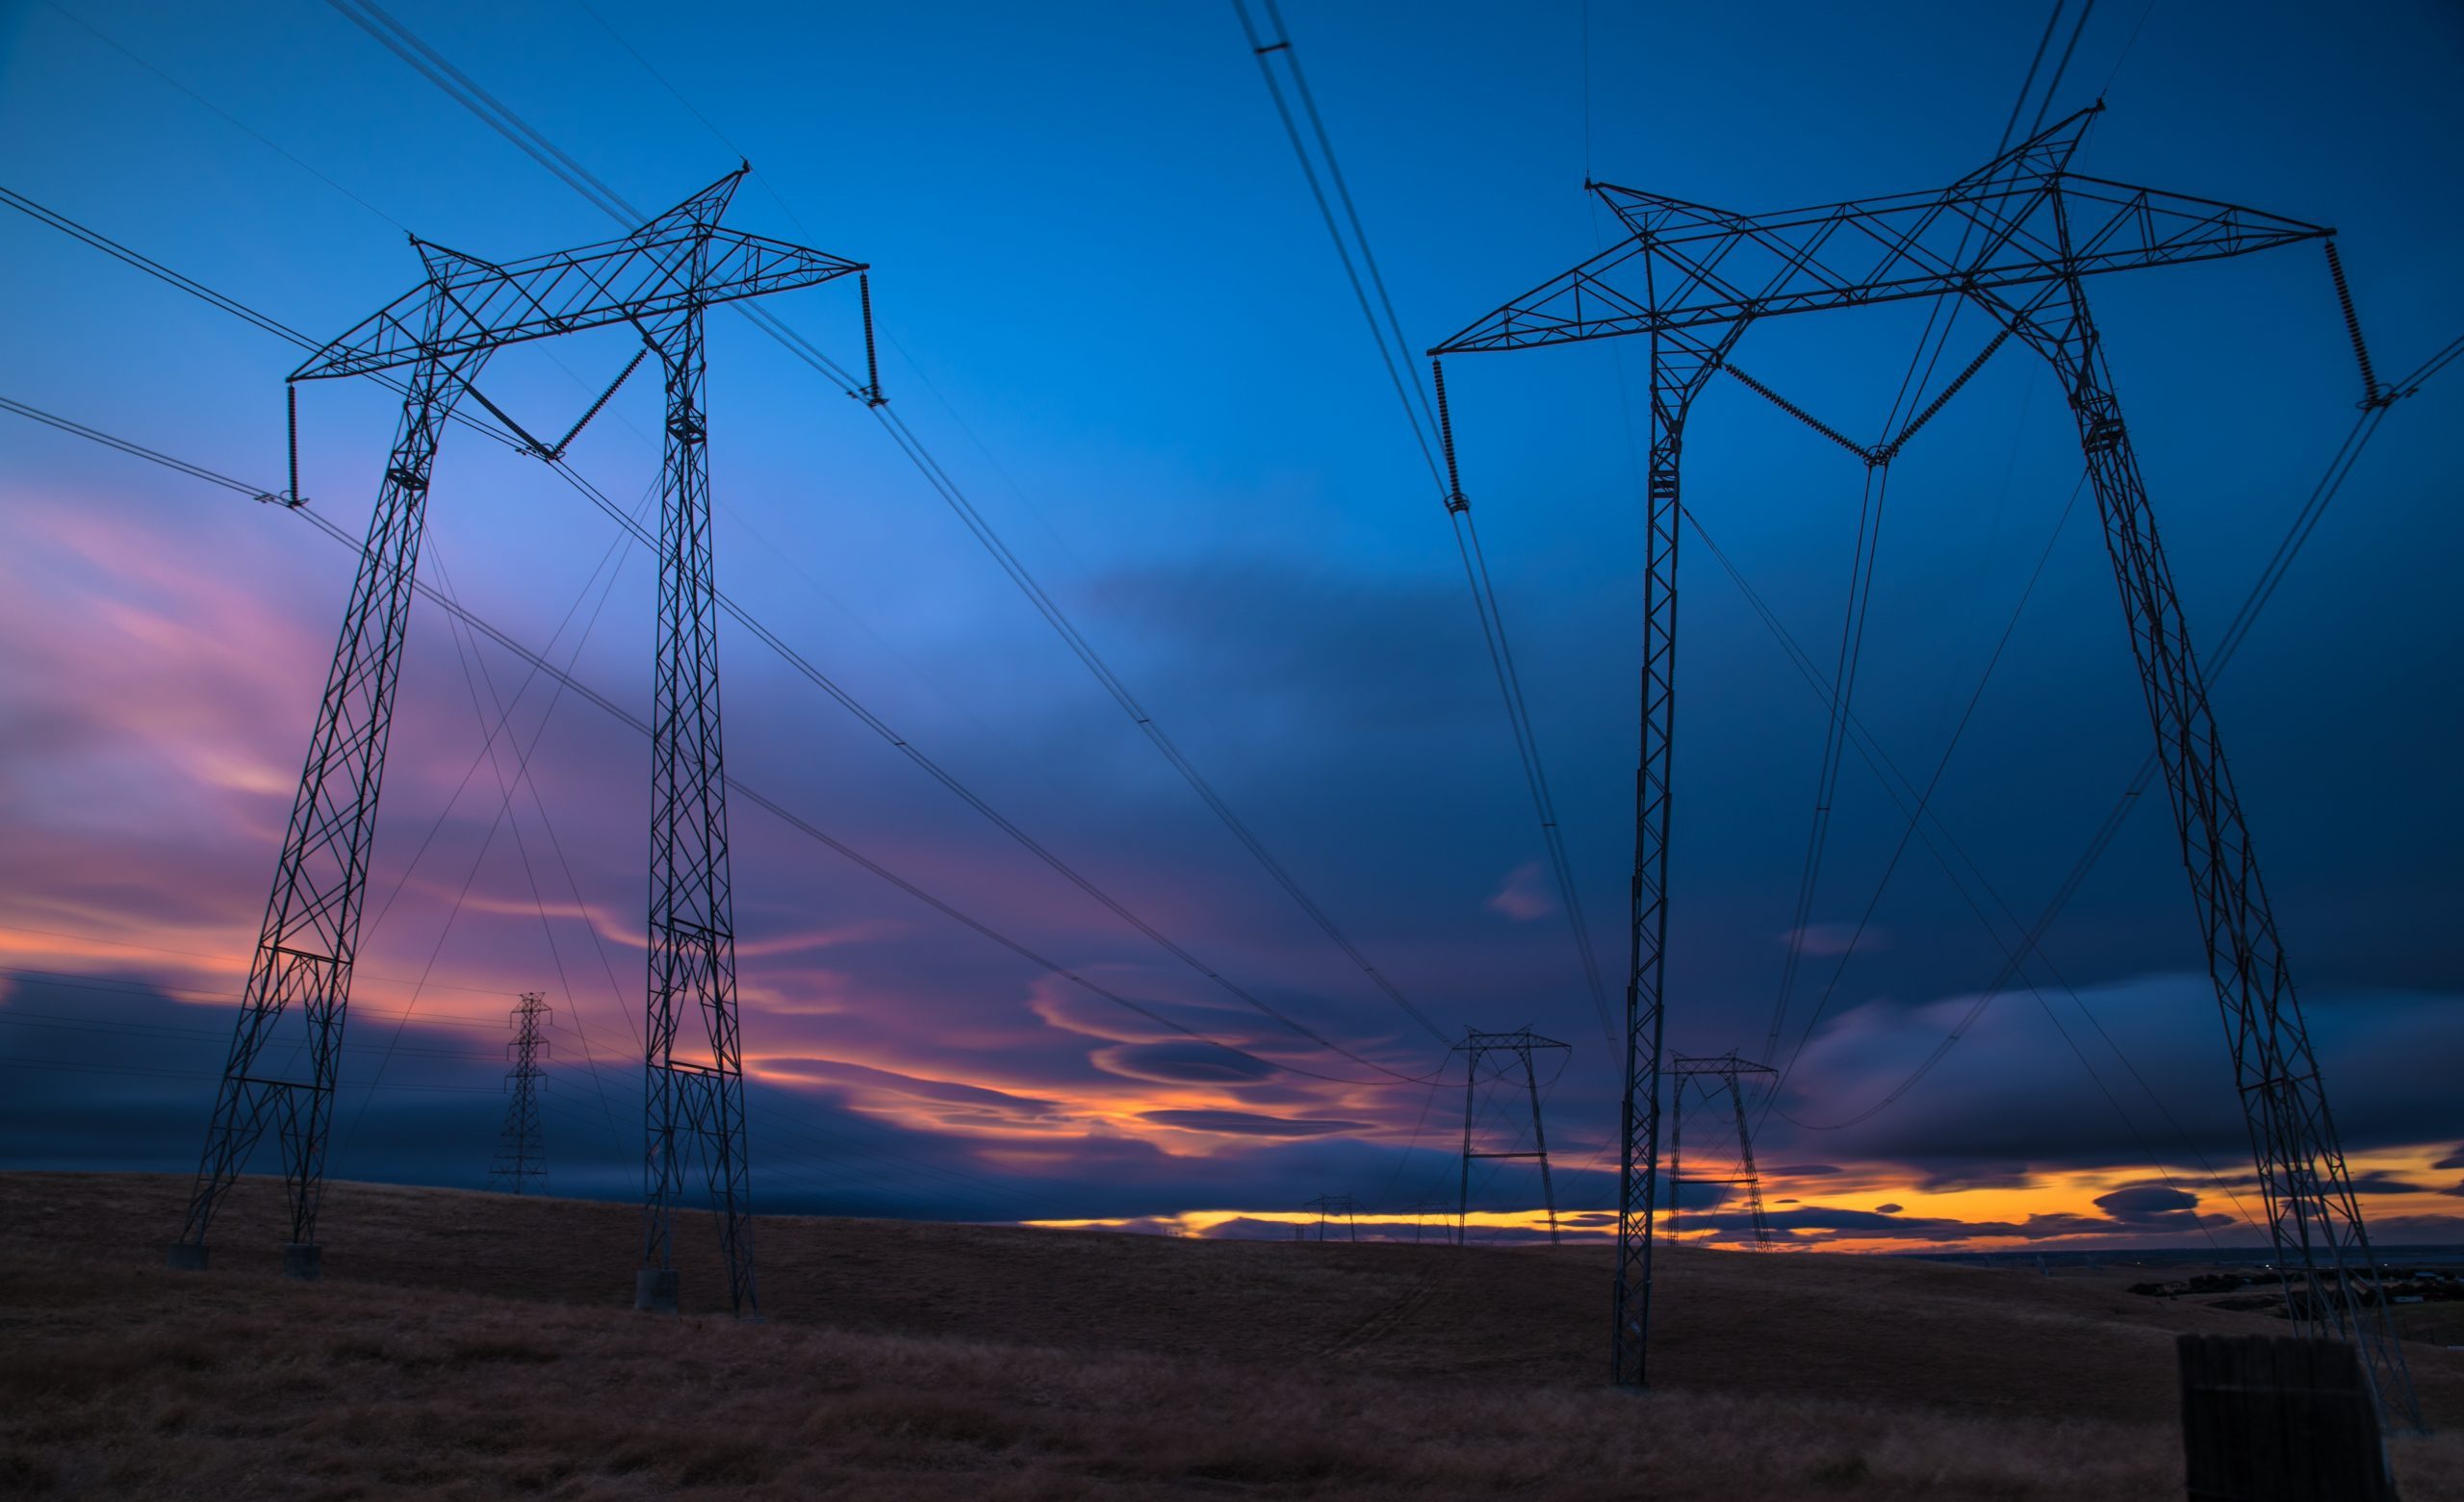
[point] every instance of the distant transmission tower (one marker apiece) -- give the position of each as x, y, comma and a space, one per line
1521, 1044
1715, 1078
431, 344
1331, 1206
522, 1157
2017, 239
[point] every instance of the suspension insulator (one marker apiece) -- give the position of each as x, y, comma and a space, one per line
2370, 395
1455, 499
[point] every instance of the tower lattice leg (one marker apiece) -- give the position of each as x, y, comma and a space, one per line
694, 1100
2331, 1279
311, 932
1540, 1141
1680, 365
1745, 1162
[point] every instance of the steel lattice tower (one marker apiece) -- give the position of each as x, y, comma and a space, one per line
2018, 238
1724, 1074
1520, 1043
660, 280
521, 1152
1331, 1206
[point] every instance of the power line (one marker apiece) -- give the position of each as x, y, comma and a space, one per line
194, 954
1841, 700
745, 617
457, 86
736, 785
1425, 418
1925, 798
1903, 792
237, 123
87, 980
1911, 383
2304, 523
504, 810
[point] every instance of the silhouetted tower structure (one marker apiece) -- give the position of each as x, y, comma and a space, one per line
1330, 1206
1519, 1044
659, 280
1714, 1078
521, 1165
2018, 238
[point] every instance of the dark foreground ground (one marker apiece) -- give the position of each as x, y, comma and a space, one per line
470, 1345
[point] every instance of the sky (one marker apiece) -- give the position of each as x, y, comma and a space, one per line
1110, 310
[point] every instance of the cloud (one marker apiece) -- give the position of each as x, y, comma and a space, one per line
1240, 1123
1182, 1063
2376, 1180
1521, 897
1889, 1210
2002, 1101
2142, 1204
2455, 1159
1245, 1228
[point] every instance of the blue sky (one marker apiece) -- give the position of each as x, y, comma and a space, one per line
1111, 311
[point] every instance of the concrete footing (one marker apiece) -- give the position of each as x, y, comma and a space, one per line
304, 1260
187, 1256
655, 1290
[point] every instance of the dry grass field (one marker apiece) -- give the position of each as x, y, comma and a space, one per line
471, 1345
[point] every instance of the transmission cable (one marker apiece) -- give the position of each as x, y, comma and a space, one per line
734, 786
1925, 798
504, 809
522, 778
2304, 523
1915, 818
1359, 260
430, 64
1911, 383
779, 646
1843, 679
1903, 792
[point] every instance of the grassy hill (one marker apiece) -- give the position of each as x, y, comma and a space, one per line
482, 1345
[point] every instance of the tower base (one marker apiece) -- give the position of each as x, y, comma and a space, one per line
187, 1256
655, 1290
304, 1260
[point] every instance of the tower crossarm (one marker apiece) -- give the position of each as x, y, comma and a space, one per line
2020, 220
677, 262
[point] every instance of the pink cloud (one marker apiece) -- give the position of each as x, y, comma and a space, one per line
1521, 897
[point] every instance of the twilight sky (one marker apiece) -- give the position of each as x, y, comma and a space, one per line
1110, 310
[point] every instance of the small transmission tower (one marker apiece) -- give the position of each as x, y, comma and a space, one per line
1520, 1043
1330, 1206
521, 1165
1714, 1078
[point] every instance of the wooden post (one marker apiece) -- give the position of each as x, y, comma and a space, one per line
2279, 1419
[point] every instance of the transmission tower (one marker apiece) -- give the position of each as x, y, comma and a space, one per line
1520, 1043
522, 1155
659, 280
2018, 238
1332, 1206
1715, 1078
